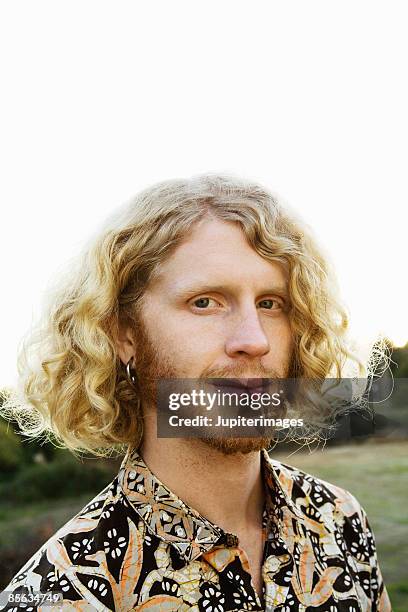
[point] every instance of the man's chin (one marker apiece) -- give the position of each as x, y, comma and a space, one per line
232, 446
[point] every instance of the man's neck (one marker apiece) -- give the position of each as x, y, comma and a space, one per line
225, 489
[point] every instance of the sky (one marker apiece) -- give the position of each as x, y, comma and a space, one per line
101, 99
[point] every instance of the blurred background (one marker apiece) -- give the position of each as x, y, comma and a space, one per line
100, 100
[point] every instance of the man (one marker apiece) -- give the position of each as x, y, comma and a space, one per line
197, 279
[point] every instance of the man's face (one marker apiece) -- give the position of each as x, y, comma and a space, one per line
216, 309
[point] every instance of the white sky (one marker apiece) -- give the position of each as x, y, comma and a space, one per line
101, 99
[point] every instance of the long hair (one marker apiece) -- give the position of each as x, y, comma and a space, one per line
75, 389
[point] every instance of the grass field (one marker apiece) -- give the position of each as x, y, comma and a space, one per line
376, 473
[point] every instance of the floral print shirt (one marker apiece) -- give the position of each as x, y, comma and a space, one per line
137, 546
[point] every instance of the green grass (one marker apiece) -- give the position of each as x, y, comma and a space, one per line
16, 522
377, 475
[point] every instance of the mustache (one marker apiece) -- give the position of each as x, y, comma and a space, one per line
240, 371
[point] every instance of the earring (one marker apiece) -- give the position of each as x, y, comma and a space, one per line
131, 373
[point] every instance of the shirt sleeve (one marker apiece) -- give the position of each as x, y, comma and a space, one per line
379, 595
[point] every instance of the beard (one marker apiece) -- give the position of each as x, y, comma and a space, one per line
152, 365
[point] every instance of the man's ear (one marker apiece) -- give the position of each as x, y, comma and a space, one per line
125, 343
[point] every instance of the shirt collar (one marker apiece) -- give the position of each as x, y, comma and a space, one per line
174, 522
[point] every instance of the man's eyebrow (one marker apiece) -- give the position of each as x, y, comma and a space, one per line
190, 290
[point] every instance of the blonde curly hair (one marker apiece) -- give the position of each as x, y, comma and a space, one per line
76, 390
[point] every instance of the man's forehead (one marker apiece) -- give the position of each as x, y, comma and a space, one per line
222, 274
218, 255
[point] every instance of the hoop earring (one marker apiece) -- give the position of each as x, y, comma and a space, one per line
131, 373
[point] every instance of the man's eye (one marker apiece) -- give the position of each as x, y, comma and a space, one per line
204, 302
270, 304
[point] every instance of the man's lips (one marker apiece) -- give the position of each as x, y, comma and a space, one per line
252, 384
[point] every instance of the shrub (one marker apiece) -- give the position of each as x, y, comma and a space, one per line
11, 453
62, 478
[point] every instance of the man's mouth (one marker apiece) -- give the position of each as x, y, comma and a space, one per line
252, 385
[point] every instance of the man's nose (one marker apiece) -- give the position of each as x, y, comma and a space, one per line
247, 337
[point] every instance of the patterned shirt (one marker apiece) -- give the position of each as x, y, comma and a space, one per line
137, 546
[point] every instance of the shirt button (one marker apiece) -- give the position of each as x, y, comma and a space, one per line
231, 540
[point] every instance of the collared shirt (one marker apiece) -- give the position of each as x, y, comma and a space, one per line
137, 546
